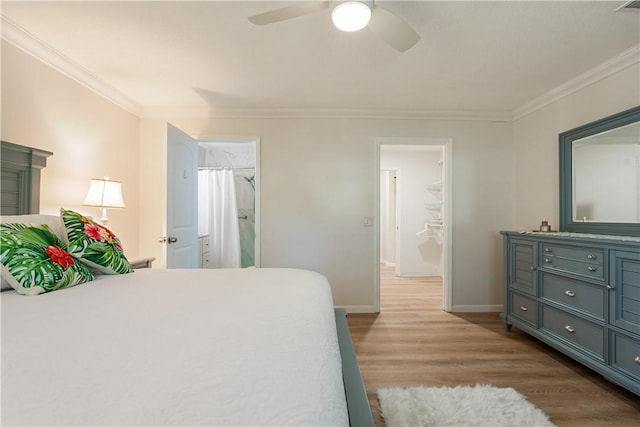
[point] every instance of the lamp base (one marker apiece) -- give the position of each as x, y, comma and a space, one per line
104, 219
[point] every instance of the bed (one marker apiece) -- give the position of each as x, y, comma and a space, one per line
259, 346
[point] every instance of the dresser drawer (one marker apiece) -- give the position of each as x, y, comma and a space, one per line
203, 251
582, 296
524, 308
587, 262
205, 261
581, 268
582, 333
591, 255
625, 355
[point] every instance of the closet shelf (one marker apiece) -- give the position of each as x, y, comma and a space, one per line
434, 227
437, 224
436, 186
431, 228
430, 234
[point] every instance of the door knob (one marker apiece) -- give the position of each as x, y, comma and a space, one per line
169, 240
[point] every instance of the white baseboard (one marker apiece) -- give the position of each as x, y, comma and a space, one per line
494, 308
427, 274
359, 308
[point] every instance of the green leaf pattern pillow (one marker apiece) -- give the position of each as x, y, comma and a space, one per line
94, 244
34, 260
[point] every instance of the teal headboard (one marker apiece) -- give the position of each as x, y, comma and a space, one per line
20, 169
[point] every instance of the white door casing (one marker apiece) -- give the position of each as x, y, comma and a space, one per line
181, 238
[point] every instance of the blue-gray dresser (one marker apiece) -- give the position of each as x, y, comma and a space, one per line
579, 293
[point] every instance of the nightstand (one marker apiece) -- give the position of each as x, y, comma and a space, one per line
142, 263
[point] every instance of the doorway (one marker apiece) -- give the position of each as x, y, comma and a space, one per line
228, 199
414, 202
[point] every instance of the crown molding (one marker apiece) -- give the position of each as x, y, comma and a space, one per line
301, 113
618, 63
22, 39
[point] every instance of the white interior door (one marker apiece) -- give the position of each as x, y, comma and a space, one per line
181, 239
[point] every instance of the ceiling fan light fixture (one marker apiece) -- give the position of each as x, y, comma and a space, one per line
351, 16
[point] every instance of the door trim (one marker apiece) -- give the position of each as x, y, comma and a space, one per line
447, 144
397, 234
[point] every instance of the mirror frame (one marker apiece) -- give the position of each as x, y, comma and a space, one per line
566, 176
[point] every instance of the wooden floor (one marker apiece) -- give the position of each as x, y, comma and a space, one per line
413, 342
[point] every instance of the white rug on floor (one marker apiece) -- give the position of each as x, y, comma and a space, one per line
481, 405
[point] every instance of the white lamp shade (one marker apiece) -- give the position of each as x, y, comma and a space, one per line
104, 193
351, 16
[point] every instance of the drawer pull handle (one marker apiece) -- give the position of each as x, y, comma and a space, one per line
523, 308
532, 268
547, 250
548, 260
611, 287
592, 269
569, 329
591, 256
570, 293
637, 360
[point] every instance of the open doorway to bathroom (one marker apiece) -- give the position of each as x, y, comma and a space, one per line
414, 215
228, 203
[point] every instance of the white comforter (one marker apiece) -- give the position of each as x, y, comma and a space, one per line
175, 347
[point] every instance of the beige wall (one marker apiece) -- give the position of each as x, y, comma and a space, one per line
318, 182
535, 143
89, 136
153, 185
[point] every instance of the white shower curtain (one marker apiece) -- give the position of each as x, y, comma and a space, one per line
218, 217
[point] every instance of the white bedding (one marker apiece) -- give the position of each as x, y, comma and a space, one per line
175, 347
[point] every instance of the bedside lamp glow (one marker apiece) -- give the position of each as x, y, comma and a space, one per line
103, 194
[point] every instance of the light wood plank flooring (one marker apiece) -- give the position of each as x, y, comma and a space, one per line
413, 342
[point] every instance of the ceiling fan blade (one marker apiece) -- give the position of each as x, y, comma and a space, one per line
288, 12
392, 29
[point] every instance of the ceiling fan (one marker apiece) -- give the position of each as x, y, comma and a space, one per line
350, 16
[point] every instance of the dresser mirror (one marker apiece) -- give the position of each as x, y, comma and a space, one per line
600, 176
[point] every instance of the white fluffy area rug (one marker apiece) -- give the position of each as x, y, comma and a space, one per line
481, 405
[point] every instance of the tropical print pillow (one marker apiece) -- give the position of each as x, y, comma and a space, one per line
34, 260
94, 244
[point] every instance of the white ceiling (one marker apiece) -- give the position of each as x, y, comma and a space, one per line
479, 57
